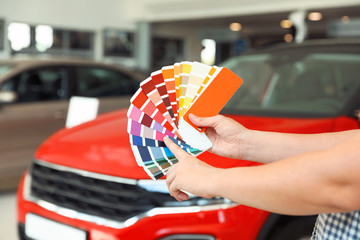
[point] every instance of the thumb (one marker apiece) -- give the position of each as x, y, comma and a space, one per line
205, 121
175, 149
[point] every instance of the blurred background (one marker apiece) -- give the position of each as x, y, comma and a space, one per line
148, 34
73, 40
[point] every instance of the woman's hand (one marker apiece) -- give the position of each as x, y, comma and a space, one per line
227, 135
189, 174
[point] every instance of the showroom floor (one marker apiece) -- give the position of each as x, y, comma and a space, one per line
7, 216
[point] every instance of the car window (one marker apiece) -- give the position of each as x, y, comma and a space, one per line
312, 84
38, 85
101, 82
5, 68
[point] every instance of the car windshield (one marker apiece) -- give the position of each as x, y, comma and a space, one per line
5, 68
303, 83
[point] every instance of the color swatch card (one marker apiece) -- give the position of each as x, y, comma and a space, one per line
162, 105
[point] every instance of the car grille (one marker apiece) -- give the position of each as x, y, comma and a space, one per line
93, 196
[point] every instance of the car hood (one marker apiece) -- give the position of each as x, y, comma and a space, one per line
103, 146
100, 146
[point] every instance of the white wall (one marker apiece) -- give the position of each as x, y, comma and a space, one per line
85, 14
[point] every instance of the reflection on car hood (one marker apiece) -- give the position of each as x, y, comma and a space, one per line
100, 146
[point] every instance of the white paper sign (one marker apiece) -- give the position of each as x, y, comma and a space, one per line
81, 109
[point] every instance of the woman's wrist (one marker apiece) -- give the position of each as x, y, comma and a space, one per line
219, 178
247, 142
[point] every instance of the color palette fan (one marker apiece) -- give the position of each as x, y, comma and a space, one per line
162, 105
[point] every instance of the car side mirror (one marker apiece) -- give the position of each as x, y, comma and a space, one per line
8, 96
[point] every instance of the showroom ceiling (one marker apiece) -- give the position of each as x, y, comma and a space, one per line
265, 24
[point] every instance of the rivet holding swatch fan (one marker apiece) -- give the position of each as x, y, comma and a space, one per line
161, 107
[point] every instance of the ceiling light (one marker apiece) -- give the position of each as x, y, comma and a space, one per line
286, 23
235, 27
345, 19
288, 37
315, 16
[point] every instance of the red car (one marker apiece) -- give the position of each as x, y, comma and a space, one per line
85, 183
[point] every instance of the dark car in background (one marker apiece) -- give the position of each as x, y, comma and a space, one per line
86, 182
34, 99
318, 78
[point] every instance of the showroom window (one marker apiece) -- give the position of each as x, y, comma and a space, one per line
29, 39
166, 51
80, 40
118, 43
19, 35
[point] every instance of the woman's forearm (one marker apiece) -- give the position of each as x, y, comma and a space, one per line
266, 147
309, 183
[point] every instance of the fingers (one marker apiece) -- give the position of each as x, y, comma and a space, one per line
181, 196
173, 189
175, 149
170, 176
170, 179
177, 193
206, 121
